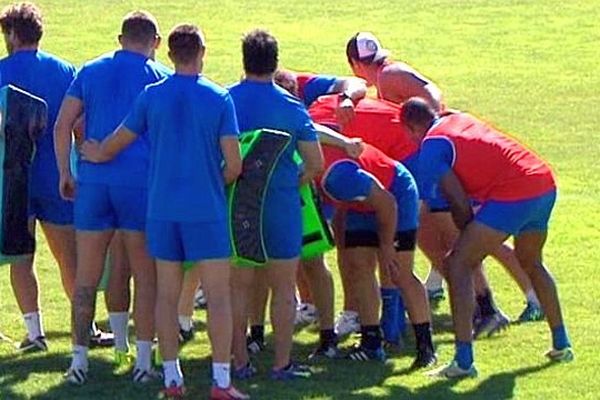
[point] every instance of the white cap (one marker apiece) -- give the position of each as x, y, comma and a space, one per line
369, 47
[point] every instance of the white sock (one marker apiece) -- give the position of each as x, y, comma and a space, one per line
221, 374
185, 322
119, 324
434, 280
143, 359
532, 297
80, 357
172, 371
33, 322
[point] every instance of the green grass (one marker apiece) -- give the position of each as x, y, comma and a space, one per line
531, 67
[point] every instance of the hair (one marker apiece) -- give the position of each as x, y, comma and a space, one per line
260, 51
287, 80
24, 20
140, 27
185, 43
417, 111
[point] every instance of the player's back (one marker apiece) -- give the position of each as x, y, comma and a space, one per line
108, 87
185, 117
47, 77
266, 105
491, 164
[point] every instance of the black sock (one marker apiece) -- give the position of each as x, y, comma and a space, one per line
370, 337
486, 304
423, 336
327, 337
257, 332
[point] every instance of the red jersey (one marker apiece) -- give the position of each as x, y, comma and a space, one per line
489, 164
372, 160
376, 122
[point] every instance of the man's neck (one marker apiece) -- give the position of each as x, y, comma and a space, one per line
259, 78
25, 47
142, 50
188, 69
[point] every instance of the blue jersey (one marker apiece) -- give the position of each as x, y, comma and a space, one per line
47, 77
266, 105
185, 118
108, 86
311, 86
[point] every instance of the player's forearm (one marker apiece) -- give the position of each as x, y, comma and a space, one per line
354, 88
387, 215
62, 148
330, 137
231, 173
310, 173
461, 214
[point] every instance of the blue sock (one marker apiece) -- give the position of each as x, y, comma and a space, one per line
560, 338
401, 314
464, 354
389, 315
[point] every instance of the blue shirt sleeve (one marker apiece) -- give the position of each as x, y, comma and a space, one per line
136, 121
229, 124
435, 159
306, 130
346, 181
76, 87
318, 86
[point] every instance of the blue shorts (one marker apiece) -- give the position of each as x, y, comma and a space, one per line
101, 207
405, 191
188, 241
282, 223
515, 217
52, 210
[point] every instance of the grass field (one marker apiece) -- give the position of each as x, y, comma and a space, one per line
531, 67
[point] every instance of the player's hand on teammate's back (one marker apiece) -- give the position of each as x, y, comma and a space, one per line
66, 187
91, 151
354, 147
344, 112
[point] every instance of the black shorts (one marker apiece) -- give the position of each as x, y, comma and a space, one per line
403, 240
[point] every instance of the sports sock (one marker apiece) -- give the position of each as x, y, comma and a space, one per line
464, 354
119, 324
486, 303
33, 322
423, 337
401, 314
80, 357
434, 280
370, 337
185, 322
327, 337
143, 359
560, 338
257, 332
172, 371
389, 314
221, 374
532, 297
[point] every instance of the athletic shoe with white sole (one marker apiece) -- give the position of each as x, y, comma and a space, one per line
230, 393
31, 346
361, 353
145, 375
173, 392
346, 323
76, 376
200, 300
306, 314
453, 371
564, 355
243, 373
532, 312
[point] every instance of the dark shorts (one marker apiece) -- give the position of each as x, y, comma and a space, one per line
403, 241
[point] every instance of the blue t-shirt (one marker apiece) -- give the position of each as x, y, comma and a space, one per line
317, 86
266, 105
185, 118
47, 77
435, 159
108, 86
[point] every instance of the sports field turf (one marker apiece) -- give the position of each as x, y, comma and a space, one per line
531, 67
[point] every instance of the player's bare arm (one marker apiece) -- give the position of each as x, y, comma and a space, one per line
99, 152
230, 147
312, 156
70, 111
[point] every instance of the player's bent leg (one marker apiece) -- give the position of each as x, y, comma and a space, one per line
61, 242
348, 321
281, 275
528, 248
185, 307
117, 297
259, 292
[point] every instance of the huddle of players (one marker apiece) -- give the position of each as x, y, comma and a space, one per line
149, 132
